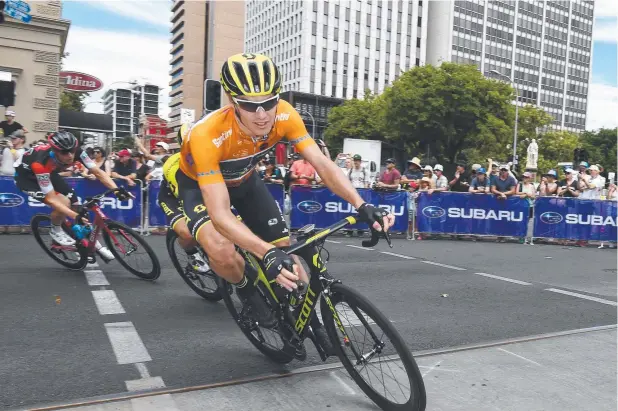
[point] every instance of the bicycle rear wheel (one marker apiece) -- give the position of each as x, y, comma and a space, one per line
71, 257
204, 284
370, 336
125, 243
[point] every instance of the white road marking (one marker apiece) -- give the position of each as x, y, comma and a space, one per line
163, 402
444, 265
149, 383
127, 344
398, 255
345, 385
107, 302
431, 368
95, 277
359, 247
587, 297
92, 265
142, 369
334, 242
519, 356
510, 280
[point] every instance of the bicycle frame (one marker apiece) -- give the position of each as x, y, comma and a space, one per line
319, 283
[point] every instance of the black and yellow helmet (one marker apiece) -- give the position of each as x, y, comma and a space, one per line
182, 133
250, 75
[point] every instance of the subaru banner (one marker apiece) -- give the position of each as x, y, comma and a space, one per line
464, 213
575, 219
321, 207
17, 208
156, 217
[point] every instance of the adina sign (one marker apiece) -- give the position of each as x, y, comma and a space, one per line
81, 82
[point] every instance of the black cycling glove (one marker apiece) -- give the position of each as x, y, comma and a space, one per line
122, 194
370, 214
275, 260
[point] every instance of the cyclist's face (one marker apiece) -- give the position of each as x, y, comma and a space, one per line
65, 157
261, 121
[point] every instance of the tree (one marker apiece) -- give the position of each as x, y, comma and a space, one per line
556, 147
355, 119
124, 142
447, 109
532, 121
601, 147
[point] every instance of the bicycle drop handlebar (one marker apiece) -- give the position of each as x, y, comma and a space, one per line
91, 201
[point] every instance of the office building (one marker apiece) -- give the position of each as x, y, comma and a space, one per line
313, 109
126, 105
544, 47
30, 56
338, 48
203, 35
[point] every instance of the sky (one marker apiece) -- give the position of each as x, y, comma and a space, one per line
121, 41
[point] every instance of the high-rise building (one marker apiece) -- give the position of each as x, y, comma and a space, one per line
126, 105
203, 35
543, 47
338, 48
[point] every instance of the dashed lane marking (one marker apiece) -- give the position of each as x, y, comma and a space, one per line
443, 265
586, 297
126, 343
359, 247
107, 302
334, 242
398, 255
95, 277
510, 280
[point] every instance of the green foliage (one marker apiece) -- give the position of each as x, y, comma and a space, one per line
555, 147
601, 147
354, 119
124, 142
72, 101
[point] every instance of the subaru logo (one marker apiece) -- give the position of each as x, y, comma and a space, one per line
433, 212
309, 206
10, 200
551, 217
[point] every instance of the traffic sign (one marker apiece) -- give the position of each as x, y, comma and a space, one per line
17, 14
18, 5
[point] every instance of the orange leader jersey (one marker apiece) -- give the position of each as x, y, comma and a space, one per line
217, 151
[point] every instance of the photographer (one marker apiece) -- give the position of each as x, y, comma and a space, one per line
12, 151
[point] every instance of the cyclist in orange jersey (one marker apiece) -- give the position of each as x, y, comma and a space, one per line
217, 170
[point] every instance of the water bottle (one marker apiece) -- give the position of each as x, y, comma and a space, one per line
81, 233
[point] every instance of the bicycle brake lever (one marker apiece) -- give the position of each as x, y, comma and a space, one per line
387, 236
375, 238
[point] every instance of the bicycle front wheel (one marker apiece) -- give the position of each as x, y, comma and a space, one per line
372, 351
127, 245
71, 257
204, 284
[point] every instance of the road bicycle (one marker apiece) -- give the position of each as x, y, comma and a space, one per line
203, 284
344, 311
121, 239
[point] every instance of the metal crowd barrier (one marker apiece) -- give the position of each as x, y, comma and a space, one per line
447, 213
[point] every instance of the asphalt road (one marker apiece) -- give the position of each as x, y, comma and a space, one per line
56, 346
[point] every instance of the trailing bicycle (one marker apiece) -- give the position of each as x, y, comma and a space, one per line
295, 313
203, 284
121, 240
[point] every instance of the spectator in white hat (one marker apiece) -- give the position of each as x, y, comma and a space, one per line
549, 185
9, 126
428, 172
441, 183
12, 153
591, 187
155, 158
569, 187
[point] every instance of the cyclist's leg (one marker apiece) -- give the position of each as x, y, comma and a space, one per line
174, 216
224, 260
269, 223
66, 194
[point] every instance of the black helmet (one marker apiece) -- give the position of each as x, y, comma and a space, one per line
62, 141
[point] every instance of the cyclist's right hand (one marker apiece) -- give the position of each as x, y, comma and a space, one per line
377, 218
281, 267
122, 194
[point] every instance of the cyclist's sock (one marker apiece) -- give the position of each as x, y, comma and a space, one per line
244, 287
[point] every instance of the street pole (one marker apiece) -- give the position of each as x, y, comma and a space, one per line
497, 73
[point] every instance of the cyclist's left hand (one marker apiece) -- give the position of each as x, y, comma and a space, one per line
122, 194
374, 215
281, 267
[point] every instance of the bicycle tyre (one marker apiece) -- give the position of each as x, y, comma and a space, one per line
278, 356
417, 400
35, 222
156, 266
214, 296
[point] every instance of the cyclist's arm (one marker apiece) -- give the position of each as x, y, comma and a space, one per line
103, 177
332, 176
217, 201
